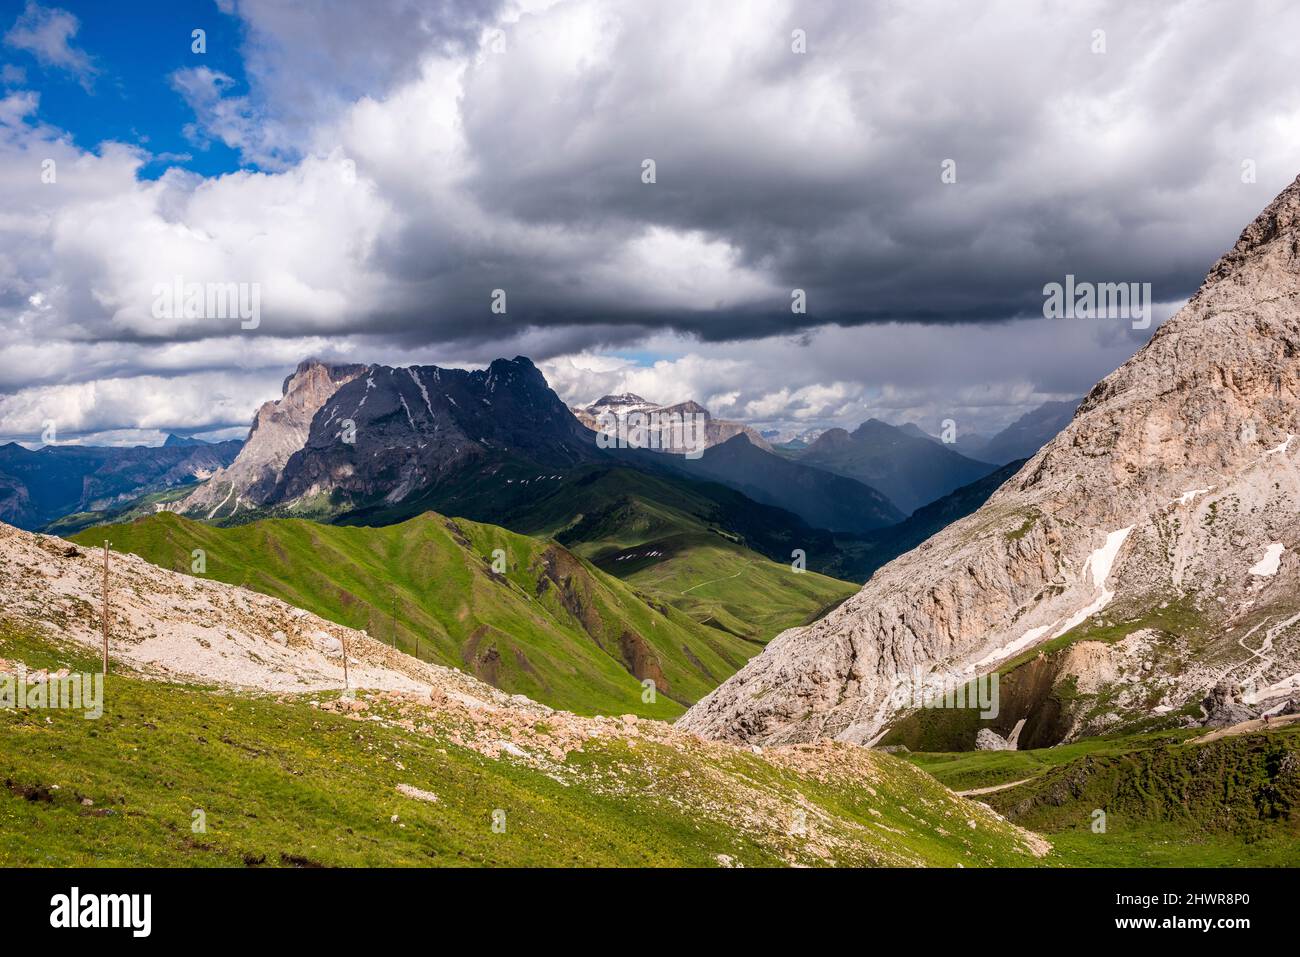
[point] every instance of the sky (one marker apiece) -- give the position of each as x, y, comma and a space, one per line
637, 196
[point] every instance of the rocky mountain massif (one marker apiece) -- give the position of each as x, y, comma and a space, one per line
1143, 556
377, 445
347, 437
416, 425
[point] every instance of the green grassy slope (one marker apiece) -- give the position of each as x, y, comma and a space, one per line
962, 770
551, 627
724, 586
1231, 802
599, 511
1242, 784
697, 546
280, 782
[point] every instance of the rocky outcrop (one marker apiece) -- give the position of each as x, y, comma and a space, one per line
180, 627
1223, 709
987, 740
1177, 484
280, 428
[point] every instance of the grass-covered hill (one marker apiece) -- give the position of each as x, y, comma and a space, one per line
550, 626
226, 702
699, 531
724, 586
187, 775
723, 559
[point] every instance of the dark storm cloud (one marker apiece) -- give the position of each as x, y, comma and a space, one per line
823, 171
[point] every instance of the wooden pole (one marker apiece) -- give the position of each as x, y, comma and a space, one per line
104, 612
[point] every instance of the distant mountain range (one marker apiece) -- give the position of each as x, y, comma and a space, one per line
51, 483
1029, 433
819, 497
183, 440
909, 468
1019, 440
791, 438
376, 445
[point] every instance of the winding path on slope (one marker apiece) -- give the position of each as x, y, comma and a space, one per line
993, 789
723, 579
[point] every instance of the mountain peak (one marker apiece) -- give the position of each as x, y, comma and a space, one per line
875, 427
689, 407
1274, 233
835, 436
310, 367
619, 399
279, 428
410, 428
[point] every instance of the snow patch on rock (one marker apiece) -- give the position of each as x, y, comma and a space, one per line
1272, 560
